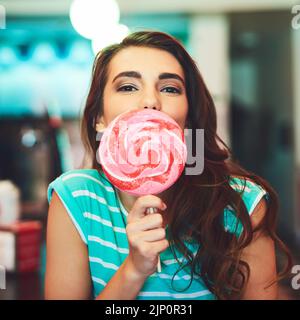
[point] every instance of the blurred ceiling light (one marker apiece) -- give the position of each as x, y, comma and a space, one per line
115, 35
88, 17
29, 138
80, 52
8, 56
44, 54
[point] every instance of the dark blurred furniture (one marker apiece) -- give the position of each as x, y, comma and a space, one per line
26, 286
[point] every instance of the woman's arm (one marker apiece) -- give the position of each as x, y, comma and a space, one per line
260, 256
124, 285
67, 269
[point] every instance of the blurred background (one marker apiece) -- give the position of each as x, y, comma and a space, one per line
247, 51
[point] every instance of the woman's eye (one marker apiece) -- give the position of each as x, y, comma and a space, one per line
127, 88
171, 90
130, 88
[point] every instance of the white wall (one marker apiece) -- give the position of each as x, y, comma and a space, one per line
209, 38
61, 7
295, 34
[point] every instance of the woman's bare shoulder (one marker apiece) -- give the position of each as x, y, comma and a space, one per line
67, 267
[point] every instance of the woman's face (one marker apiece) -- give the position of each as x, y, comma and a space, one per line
141, 77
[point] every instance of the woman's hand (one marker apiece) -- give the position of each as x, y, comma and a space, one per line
146, 236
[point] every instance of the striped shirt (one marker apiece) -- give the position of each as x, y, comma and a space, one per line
100, 219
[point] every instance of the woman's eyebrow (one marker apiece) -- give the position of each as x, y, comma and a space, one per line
168, 75
136, 74
130, 74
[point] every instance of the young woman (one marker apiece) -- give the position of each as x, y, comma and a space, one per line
214, 232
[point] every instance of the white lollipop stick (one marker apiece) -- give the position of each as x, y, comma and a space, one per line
150, 211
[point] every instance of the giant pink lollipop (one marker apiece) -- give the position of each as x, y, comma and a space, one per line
143, 152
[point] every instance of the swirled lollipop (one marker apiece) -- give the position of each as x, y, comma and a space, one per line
143, 152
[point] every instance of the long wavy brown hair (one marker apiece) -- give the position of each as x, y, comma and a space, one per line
197, 209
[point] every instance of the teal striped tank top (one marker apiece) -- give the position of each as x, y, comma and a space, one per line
100, 219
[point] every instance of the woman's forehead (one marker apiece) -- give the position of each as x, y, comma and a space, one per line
144, 59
